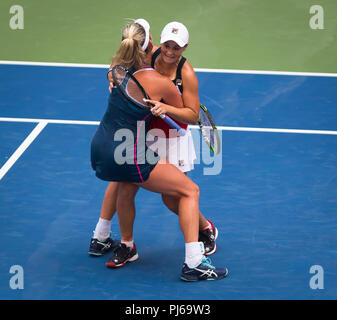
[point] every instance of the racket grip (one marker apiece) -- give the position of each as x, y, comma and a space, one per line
173, 124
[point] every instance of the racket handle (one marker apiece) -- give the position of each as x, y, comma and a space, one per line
173, 124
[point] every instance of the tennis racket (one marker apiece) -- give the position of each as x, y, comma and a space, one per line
132, 90
209, 130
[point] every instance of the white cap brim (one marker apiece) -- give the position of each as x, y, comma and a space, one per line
172, 37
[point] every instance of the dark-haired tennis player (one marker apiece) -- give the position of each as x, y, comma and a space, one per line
182, 74
167, 59
159, 178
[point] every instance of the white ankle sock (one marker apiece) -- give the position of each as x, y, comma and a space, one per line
194, 252
129, 244
102, 230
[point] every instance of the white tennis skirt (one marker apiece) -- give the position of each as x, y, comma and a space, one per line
179, 151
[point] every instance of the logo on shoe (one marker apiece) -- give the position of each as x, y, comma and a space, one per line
208, 273
105, 245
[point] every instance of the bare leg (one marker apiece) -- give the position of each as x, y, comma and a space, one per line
108, 208
109, 204
172, 204
167, 179
126, 209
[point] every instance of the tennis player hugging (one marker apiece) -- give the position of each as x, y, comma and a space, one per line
118, 156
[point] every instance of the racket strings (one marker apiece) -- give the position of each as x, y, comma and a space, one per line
130, 88
206, 129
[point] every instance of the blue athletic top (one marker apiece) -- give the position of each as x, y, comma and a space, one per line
118, 148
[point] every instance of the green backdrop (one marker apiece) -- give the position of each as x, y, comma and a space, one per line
226, 34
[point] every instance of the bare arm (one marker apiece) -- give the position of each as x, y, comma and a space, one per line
181, 114
190, 111
170, 96
191, 91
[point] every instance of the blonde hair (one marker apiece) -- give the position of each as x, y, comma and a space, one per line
130, 53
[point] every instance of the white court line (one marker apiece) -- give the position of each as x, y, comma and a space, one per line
54, 64
81, 122
24, 145
298, 131
105, 66
224, 128
266, 72
43, 122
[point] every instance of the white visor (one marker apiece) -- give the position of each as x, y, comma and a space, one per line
146, 27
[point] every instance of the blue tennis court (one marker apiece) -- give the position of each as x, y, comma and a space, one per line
274, 199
